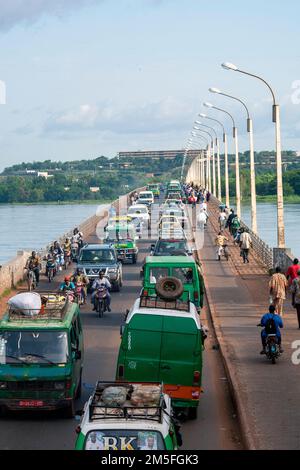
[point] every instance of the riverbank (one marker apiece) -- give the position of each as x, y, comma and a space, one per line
292, 199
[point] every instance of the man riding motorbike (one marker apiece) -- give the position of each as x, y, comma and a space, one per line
57, 251
267, 321
78, 237
34, 264
50, 264
101, 281
67, 285
67, 248
80, 278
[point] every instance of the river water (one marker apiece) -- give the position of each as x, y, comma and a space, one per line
34, 226
267, 224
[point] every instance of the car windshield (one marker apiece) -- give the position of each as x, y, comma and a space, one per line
145, 196
168, 247
97, 256
124, 439
46, 347
137, 210
120, 234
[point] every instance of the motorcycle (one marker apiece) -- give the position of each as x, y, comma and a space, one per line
50, 270
272, 348
78, 293
101, 300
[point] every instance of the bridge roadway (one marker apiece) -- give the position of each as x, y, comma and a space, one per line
216, 426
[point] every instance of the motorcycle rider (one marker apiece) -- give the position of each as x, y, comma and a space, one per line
102, 281
78, 237
266, 321
67, 285
57, 251
33, 263
67, 247
50, 263
80, 277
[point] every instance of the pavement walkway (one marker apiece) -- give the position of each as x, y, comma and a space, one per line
267, 396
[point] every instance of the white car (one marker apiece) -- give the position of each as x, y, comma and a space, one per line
146, 197
139, 211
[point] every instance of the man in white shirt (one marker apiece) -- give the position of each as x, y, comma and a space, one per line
245, 244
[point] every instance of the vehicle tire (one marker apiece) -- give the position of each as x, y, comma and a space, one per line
78, 391
134, 259
193, 412
169, 288
100, 308
273, 360
69, 411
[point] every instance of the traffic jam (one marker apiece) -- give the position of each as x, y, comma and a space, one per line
156, 385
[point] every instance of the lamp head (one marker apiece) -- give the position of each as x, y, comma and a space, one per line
229, 66
208, 105
215, 90
198, 122
202, 115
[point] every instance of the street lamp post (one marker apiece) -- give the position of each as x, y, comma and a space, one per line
205, 174
211, 151
209, 146
276, 120
218, 157
237, 166
252, 163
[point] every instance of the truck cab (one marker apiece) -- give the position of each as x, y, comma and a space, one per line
41, 357
123, 236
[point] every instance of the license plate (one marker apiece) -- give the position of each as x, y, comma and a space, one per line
30, 403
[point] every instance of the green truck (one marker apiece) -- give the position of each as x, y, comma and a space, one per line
41, 357
155, 188
162, 341
184, 268
123, 236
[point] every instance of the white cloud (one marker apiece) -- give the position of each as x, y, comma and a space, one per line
150, 118
13, 12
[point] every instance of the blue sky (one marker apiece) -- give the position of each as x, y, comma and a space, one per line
87, 77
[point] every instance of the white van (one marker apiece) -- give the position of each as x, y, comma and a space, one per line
146, 197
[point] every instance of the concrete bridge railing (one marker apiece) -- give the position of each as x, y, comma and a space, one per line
12, 272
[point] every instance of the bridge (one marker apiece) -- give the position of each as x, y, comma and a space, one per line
247, 402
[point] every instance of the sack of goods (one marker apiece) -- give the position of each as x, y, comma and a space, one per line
145, 395
114, 396
27, 303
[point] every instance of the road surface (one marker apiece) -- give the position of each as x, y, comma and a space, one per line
216, 426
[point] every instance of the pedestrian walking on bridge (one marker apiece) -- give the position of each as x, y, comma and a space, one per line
278, 288
245, 245
295, 289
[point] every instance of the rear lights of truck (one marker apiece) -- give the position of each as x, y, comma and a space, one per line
196, 377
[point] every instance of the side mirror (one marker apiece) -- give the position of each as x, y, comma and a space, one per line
122, 328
